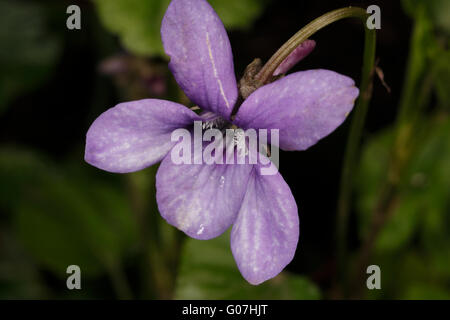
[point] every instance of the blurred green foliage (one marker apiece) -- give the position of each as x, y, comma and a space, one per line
441, 69
437, 10
411, 161
138, 22
208, 271
24, 63
429, 53
64, 217
424, 197
19, 276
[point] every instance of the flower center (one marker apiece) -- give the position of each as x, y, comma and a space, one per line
213, 121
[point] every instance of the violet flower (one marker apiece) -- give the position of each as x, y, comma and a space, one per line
205, 200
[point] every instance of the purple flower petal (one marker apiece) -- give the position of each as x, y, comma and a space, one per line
200, 55
304, 49
201, 200
134, 135
265, 234
305, 106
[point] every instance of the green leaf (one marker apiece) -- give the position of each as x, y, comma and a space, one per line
238, 14
28, 52
65, 217
208, 271
138, 22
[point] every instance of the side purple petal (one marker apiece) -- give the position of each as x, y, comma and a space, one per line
199, 199
265, 235
134, 135
304, 49
305, 106
200, 55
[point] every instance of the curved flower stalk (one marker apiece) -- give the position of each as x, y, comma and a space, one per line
204, 200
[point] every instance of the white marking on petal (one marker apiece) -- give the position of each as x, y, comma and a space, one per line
200, 231
222, 92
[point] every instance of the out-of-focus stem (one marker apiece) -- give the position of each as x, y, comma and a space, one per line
119, 281
414, 98
416, 67
155, 272
403, 150
351, 154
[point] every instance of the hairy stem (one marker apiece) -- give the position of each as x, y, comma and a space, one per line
266, 73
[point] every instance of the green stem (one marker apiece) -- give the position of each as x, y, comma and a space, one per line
266, 73
352, 151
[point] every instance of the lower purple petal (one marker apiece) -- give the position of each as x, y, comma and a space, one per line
200, 199
265, 235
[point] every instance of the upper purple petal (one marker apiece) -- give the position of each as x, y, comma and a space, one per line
200, 55
200, 199
265, 235
134, 135
305, 106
